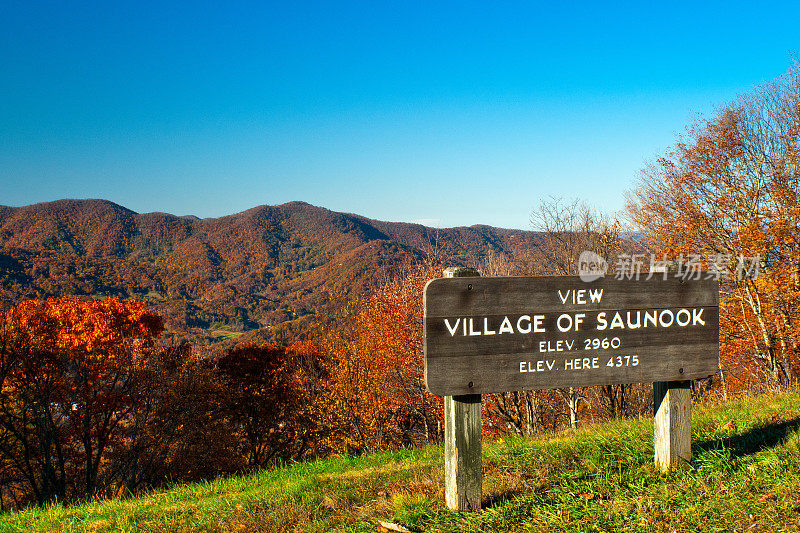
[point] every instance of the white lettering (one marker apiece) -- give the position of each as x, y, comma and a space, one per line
581, 363
472, 331
696, 317
541, 366
566, 322
564, 297
595, 295
581, 296
453, 329
555, 346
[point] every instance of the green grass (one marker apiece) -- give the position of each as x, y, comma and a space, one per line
745, 476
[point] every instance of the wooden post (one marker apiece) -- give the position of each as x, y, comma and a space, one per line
463, 464
672, 415
672, 424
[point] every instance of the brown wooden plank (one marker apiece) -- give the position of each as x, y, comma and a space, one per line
440, 343
479, 296
469, 359
501, 372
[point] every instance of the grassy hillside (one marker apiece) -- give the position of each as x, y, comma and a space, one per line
745, 477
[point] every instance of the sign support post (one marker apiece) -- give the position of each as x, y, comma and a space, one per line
672, 415
672, 424
463, 464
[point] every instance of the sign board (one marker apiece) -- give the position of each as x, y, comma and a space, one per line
487, 335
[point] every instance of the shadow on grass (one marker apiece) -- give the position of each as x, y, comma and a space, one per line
753, 441
494, 499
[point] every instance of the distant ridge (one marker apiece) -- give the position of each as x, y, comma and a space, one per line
255, 269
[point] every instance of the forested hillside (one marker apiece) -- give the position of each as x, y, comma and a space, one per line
264, 268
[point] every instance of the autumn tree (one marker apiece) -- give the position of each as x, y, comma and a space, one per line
728, 191
375, 395
68, 373
267, 392
176, 429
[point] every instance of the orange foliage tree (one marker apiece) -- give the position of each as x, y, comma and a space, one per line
375, 395
728, 191
68, 374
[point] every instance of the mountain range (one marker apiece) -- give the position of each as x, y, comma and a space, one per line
265, 268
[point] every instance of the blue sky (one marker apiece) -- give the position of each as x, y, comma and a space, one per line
451, 113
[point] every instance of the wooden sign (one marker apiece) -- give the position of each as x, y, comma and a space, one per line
487, 335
